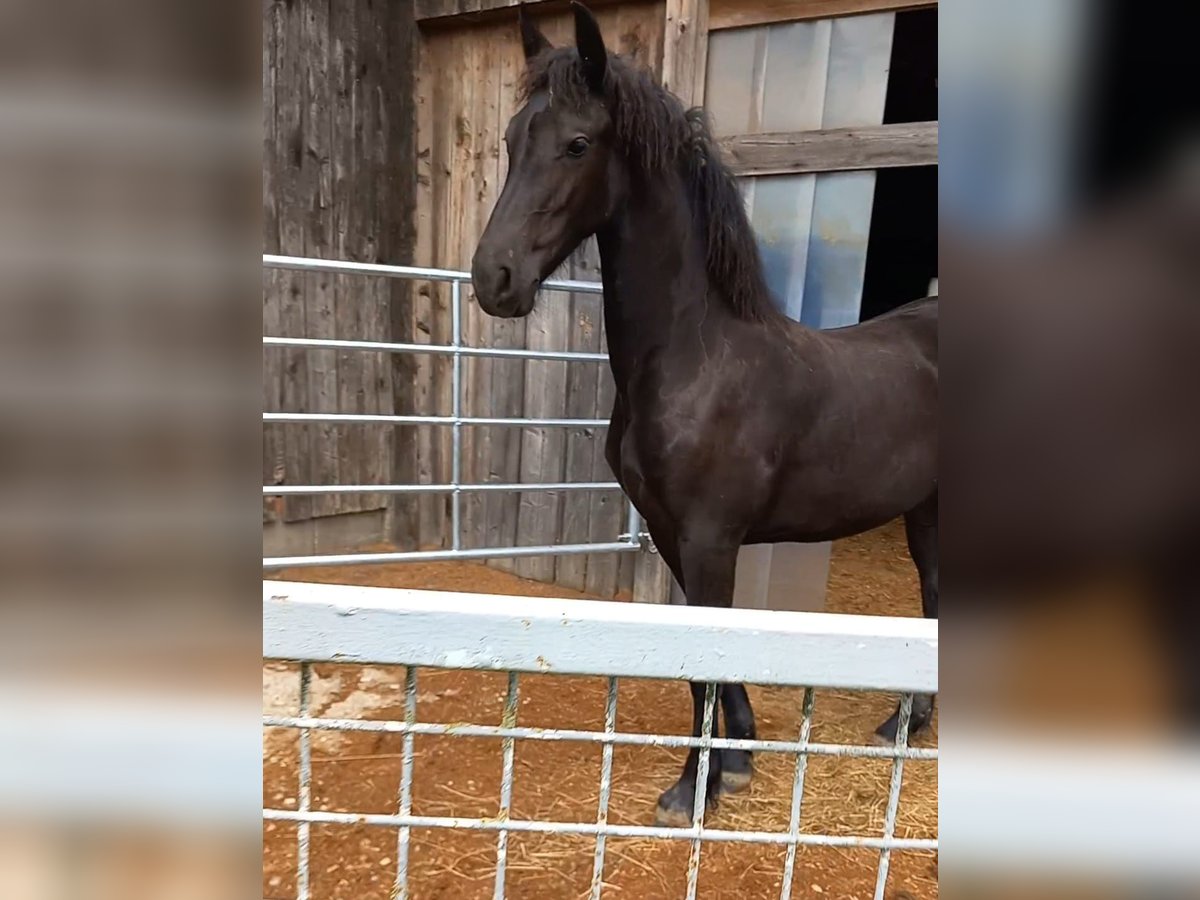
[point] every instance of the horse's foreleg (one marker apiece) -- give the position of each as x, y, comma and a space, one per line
921, 529
736, 765
707, 567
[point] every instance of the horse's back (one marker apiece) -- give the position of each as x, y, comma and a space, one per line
897, 336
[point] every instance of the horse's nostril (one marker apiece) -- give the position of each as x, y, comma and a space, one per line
503, 279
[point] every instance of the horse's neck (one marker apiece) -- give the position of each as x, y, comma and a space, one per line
657, 295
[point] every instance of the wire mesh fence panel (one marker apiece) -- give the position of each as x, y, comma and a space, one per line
521, 639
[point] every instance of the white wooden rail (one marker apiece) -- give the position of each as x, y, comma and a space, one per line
345, 623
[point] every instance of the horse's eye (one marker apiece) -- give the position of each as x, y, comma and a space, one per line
577, 147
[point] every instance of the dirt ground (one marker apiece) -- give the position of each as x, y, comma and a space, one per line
870, 574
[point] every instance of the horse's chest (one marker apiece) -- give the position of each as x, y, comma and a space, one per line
656, 462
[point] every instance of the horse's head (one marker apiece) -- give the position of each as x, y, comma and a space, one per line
563, 182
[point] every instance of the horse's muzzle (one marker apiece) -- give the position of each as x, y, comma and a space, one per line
501, 290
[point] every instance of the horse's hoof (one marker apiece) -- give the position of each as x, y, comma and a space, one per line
885, 734
880, 739
671, 818
735, 782
677, 802
675, 807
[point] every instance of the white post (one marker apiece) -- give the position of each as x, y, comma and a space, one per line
782, 576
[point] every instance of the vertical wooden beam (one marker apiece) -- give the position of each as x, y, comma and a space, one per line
685, 50
397, 244
506, 396
291, 191
274, 470
318, 242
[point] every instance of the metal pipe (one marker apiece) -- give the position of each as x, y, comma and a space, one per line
633, 524
436, 349
700, 799
893, 802
606, 755
637, 739
280, 490
508, 720
373, 419
588, 828
403, 837
304, 799
339, 559
789, 861
417, 273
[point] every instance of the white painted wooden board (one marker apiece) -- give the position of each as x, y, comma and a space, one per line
390, 626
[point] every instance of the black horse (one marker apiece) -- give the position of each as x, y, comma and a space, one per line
732, 424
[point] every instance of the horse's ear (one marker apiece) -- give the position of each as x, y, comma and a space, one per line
590, 44
532, 40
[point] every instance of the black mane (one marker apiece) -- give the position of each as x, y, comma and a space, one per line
656, 133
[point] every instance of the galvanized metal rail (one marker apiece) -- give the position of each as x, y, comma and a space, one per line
632, 539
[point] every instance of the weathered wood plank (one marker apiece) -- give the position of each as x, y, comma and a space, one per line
429, 93
832, 150
686, 49
506, 394
351, 216
606, 510
434, 323
327, 193
397, 245
587, 316
272, 386
462, 215
477, 373
652, 580
474, 67
543, 450
375, 463
319, 243
456, 12
742, 13
289, 105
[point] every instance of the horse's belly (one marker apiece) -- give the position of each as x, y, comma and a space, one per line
818, 504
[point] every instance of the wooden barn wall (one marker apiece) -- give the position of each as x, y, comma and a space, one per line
338, 183
466, 92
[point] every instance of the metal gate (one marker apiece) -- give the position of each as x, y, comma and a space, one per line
631, 540
319, 623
